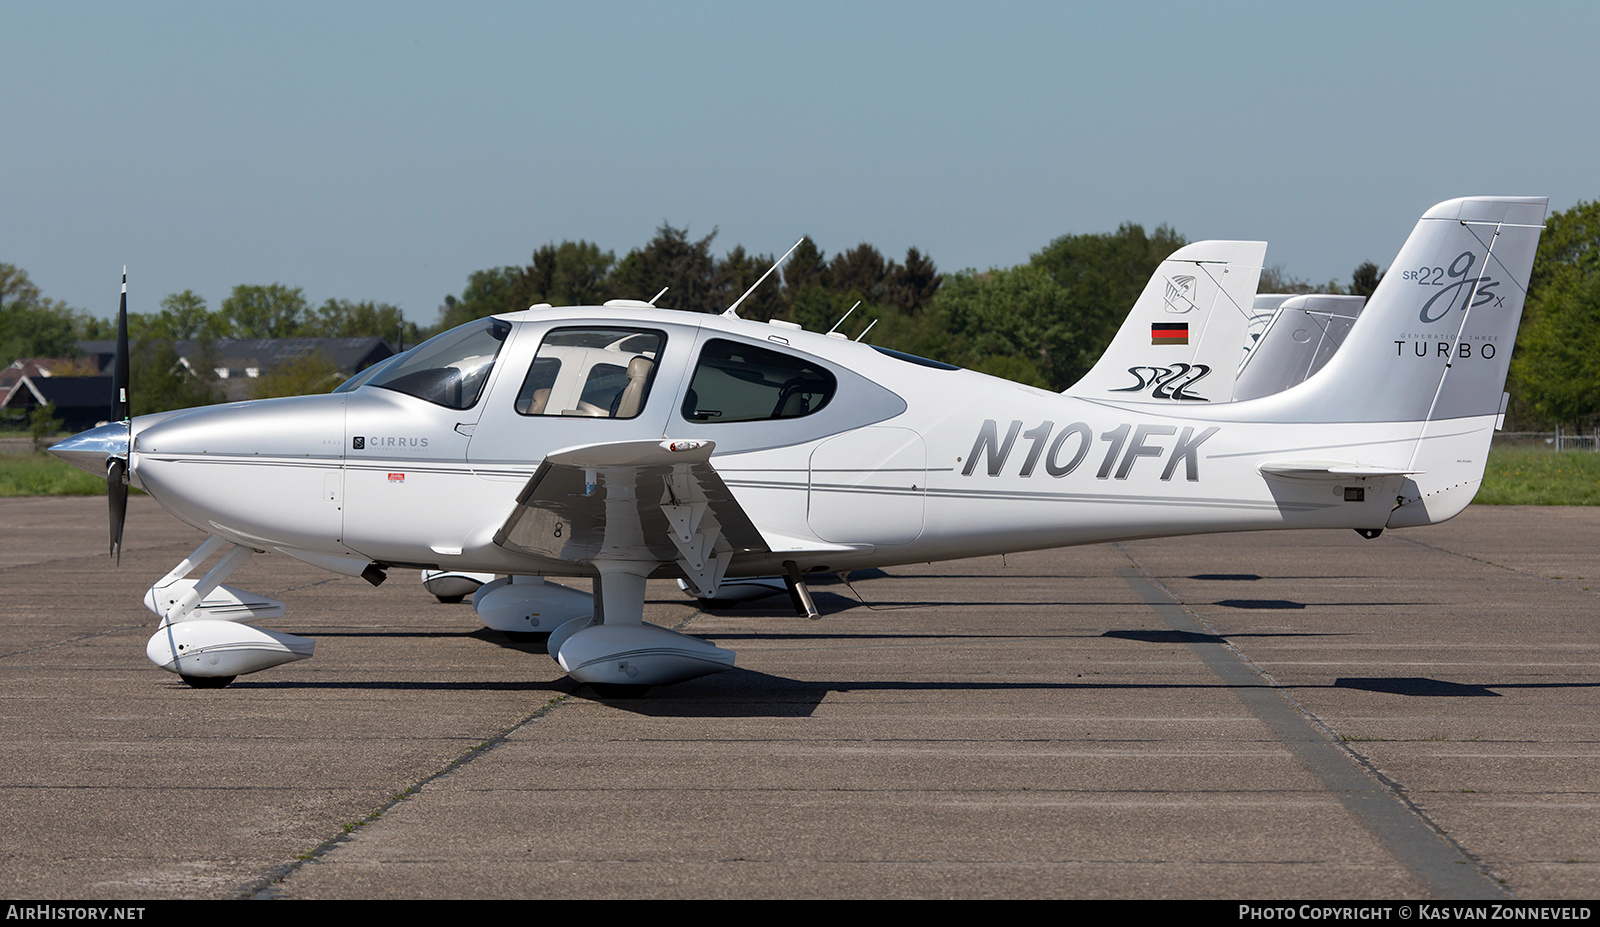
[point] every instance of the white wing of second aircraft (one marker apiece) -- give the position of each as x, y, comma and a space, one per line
1181, 341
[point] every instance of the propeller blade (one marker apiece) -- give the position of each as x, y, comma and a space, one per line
119, 365
117, 466
117, 501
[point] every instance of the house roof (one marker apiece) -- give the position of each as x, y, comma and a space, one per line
349, 354
64, 392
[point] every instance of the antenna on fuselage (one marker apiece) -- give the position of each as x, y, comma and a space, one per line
845, 316
775, 265
865, 330
659, 295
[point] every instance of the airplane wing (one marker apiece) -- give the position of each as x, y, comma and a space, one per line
656, 501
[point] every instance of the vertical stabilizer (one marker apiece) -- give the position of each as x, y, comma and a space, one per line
1181, 342
1432, 347
1303, 334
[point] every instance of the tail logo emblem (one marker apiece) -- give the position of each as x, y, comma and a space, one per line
1180, 294
1479, 290
1168, 382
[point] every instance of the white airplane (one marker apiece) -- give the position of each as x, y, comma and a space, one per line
626, 442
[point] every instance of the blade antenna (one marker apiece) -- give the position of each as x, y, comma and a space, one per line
659, 295
867, 329
843, 317
775, 265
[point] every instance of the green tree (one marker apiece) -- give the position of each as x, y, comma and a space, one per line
31, 324
1102, 275
254, 311
573, 273
1569, 245
686, 268
43, 425
1557, 364
341, 318
158, 380
1555, 373
861, 271
817, 308
806, 268
182, 316
737, 273
302, 376
1364, 280
489, 292
912, 285
1011, 323
15, 287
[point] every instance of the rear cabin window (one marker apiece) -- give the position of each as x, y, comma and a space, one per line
735, 382
592, 373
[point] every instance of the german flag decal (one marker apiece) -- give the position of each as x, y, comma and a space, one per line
1169, 332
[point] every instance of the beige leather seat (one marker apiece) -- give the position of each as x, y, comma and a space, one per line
633, 394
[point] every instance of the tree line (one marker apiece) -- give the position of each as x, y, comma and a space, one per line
1043, 322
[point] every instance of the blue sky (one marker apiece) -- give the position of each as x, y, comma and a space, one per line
385, 150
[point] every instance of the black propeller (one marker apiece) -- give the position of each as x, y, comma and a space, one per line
117, 467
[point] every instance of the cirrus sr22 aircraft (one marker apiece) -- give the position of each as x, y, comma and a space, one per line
625, 442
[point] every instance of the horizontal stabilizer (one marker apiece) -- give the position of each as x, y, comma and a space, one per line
1327, 469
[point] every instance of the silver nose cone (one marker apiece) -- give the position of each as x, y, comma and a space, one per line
89, 450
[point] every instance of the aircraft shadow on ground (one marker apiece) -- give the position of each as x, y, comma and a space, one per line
1196, 637
1424, 687
561, 685
742, 693
747, 694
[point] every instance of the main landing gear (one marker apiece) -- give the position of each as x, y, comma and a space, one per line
600, 639
202, 637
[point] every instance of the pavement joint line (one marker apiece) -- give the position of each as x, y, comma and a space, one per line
74, 640
1509, 569
1436, 859
264, 888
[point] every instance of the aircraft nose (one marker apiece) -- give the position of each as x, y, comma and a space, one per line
269, 470
89, 450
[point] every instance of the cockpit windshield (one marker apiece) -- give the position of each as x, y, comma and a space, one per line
448, 369
360, 379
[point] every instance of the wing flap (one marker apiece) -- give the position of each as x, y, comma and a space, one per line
656, 501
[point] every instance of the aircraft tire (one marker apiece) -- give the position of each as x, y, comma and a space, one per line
450, 599
207, 682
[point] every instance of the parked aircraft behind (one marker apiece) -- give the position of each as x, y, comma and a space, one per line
1301, 336
623, 442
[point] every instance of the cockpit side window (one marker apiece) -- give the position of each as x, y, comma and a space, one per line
592, 372
449, 369
735, 382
